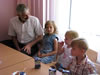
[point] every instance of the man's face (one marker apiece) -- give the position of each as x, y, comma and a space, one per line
23, 16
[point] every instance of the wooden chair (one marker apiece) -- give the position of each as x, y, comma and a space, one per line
92, 55
97, 68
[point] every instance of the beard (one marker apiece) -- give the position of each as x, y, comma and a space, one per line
23, 19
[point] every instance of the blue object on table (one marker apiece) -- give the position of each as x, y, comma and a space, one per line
22, 73
37, 62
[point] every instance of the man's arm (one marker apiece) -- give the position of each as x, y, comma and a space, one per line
14, 38
27, 48
36, 40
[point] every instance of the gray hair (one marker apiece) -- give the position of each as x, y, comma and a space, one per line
21, 8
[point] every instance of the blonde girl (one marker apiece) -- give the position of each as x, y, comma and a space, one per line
49, 47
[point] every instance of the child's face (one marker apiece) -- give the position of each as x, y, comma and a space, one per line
76, 51
49, 29
67, 40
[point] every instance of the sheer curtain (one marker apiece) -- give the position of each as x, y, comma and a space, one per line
85, 18
48, 10
62, 16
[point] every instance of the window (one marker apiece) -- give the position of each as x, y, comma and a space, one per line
85, 18
62, 12
82, 16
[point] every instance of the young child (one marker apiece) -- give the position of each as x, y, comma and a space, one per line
64, 49
48, 50
80, 64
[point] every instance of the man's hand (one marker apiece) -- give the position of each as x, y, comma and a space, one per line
19, 49
27, 48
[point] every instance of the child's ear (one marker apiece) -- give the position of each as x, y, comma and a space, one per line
83, 51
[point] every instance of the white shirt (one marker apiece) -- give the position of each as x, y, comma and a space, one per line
25, 32
65, 58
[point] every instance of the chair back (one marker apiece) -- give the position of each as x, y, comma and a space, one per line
92, 55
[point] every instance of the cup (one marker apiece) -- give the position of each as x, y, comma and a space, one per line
37, 63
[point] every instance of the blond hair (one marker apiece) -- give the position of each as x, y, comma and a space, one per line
80, 43
53, 24
72, 34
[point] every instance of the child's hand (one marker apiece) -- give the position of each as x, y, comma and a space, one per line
61, 43
60, 47
42, 55
39, 54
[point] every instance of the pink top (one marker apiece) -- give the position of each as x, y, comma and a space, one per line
65, 58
